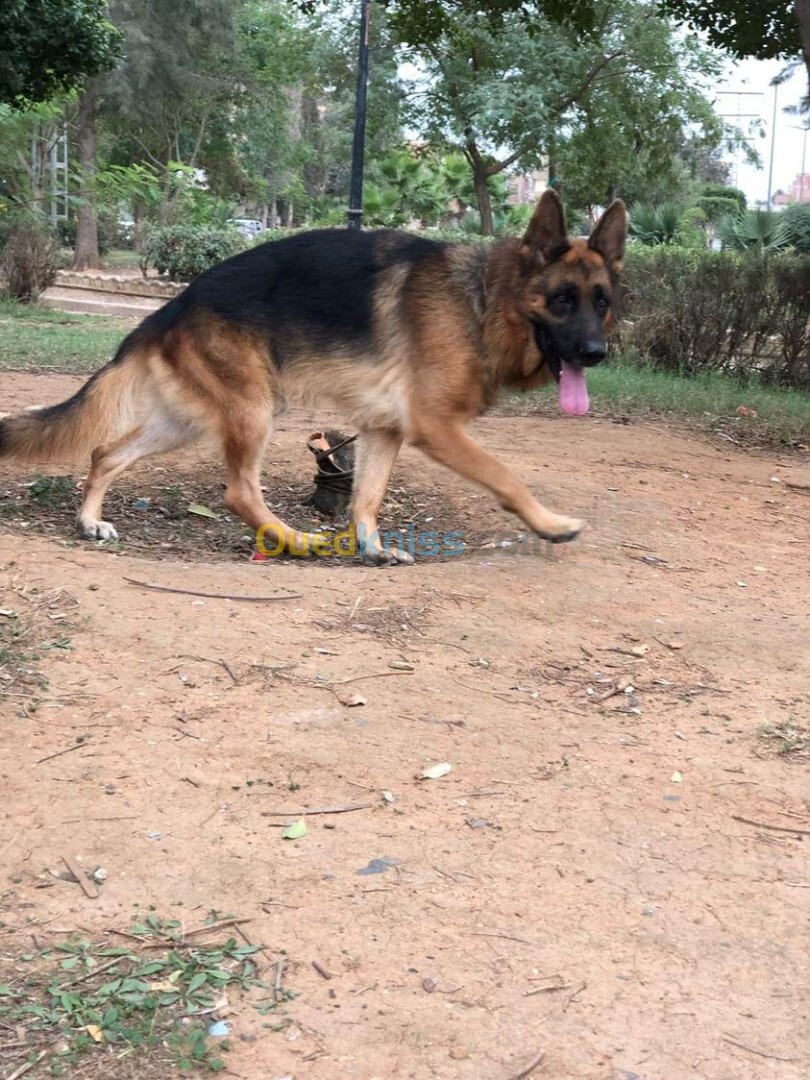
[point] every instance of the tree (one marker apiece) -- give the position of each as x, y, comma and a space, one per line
50, 46
605, 106
765, 29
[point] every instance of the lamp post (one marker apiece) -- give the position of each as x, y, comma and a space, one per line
355, 211
769, 204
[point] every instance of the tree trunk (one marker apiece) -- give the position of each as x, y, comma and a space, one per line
482, 197
86, 255
803, 18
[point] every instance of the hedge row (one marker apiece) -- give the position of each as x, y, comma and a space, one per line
739, 314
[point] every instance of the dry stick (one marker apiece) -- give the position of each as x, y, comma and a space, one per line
376, 675
316, 810
321, 970
493, 693
506, 937
23, 1069
773, 828
59, 753
219, 925
210, 660
759, 1053
93, 971
87, 888
212, 595
530, 1066
277, 980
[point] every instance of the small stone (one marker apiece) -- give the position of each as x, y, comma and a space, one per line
458, 1053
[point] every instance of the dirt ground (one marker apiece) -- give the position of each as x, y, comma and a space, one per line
616, 879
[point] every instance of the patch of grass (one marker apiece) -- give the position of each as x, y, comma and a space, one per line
130, 1009
122, 257
788, 740
711, 399
36, 338
747, 413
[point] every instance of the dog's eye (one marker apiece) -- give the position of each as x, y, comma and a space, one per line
602, 304
563, 300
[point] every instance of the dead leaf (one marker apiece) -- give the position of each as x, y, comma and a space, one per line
354, 701
397, 665
95, 1032
674, 644
676, 778
202, 511
640, 650
435, 771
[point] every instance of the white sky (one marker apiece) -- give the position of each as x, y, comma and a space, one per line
755, 75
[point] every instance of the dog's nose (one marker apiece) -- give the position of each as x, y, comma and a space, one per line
592, 352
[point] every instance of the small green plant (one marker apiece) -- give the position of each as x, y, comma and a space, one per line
53, 491
87, 996
796, 222
788, 739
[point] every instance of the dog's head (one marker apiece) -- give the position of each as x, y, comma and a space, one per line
567, 290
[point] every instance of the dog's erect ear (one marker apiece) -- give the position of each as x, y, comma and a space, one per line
545, 236
609, 236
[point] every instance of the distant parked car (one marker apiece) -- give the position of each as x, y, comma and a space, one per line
248, 227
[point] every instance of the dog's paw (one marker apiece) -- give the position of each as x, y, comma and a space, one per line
562, 530
392, 557
97, 530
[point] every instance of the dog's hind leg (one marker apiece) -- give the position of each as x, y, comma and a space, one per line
160, 433
375, 456
244, 439
450, 444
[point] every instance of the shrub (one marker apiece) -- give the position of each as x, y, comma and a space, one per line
30, 258
796, 222
184, 251
736, 313
718, 200
655, 224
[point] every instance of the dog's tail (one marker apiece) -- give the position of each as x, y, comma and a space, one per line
100, 411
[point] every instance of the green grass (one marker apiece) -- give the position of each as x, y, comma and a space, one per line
711, 400
122, 257
35, 338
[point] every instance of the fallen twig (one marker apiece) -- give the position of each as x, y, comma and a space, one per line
93, 971
88, 888
59, 753
23, 1069
374, 675
315, 810
277, 991
210, 660
506, 937
773, 828
530, 1066
759, 1053
321, 970
212, 595
220, 924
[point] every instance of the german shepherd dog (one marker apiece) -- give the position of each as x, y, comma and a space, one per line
409, 338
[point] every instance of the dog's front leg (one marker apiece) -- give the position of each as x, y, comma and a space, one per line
452, 446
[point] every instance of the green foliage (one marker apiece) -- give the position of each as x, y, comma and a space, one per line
740, 314
91, 998
184, 251
796, 223
766, 29
724, 191
655, 224
692, 229
50, 46
761, 231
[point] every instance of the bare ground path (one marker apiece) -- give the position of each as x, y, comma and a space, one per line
592, 838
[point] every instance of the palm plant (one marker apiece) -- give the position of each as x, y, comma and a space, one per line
655, 224
760, 231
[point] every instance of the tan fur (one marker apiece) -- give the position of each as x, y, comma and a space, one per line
447, 334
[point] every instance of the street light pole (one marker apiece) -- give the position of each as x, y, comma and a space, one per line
768, 205
355, 212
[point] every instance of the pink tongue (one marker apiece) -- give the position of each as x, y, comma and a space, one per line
573, 392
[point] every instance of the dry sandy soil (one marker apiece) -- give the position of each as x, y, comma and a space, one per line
644, 853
